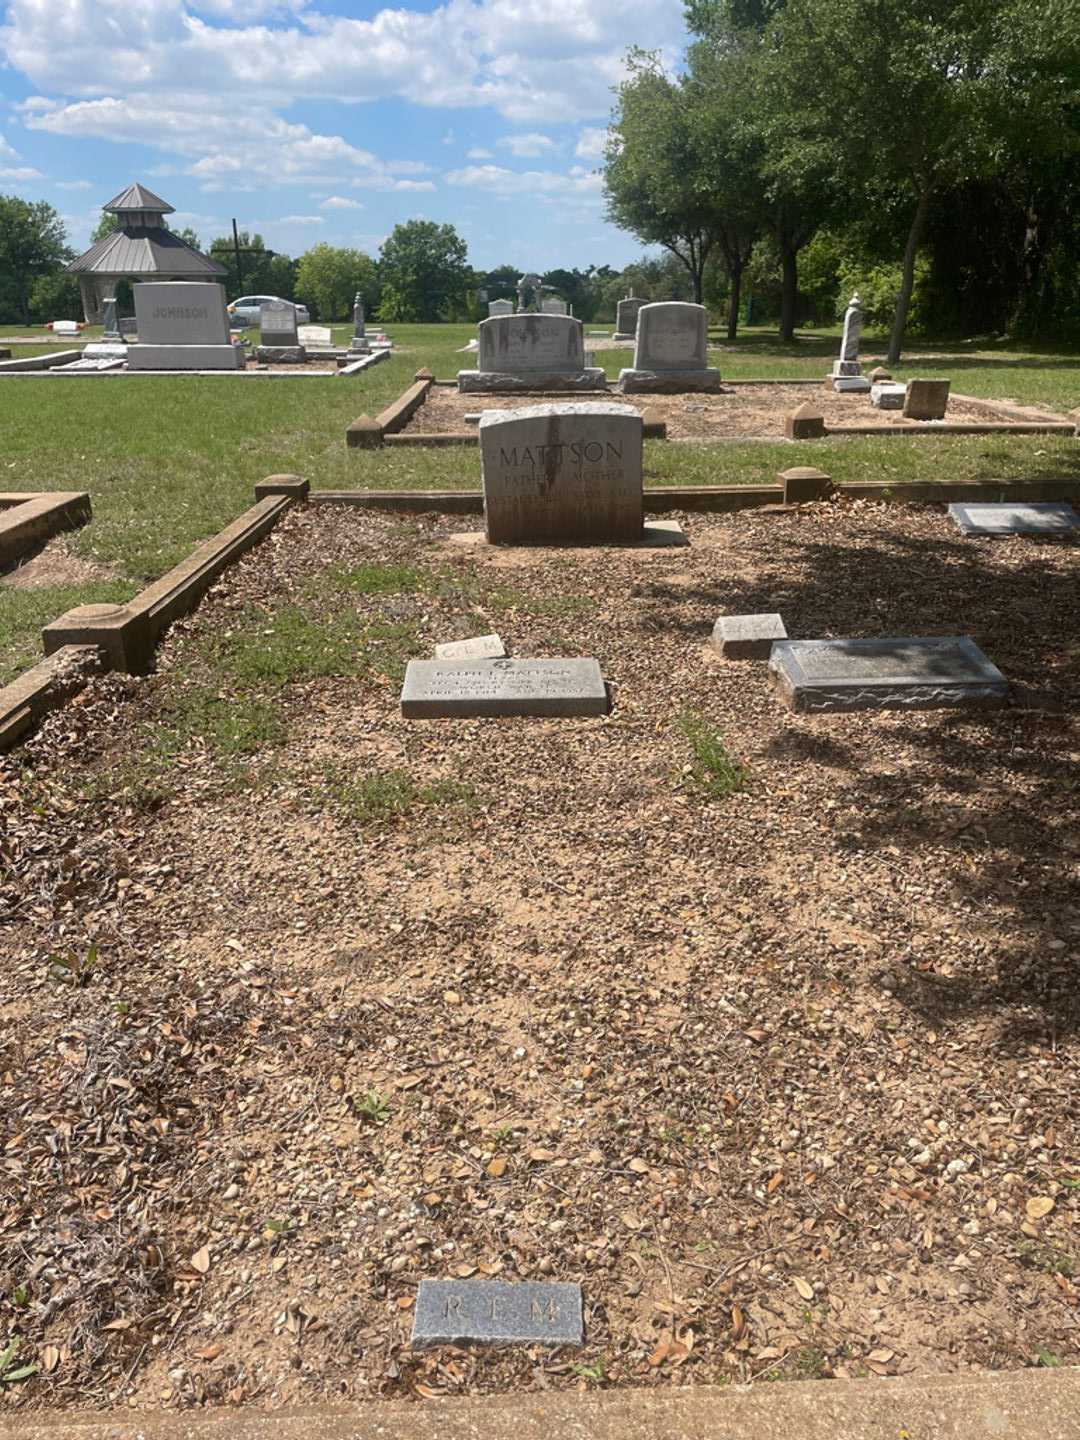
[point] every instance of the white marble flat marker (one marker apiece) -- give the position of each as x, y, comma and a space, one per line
1037, 518
447, 689
477, 647
901, 673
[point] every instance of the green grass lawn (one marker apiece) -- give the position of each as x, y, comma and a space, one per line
169, 460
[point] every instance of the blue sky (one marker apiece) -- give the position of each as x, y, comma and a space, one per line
330, 121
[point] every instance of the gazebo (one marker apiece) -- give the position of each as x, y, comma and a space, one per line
140, 248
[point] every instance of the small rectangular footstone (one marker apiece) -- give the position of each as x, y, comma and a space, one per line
747, 637
901, 673
487, 1312
478, 647
1037, 518
449, 689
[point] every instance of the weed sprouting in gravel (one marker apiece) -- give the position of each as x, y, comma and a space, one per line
713, 772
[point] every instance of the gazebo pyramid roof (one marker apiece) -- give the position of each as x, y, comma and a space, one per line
138, 197
145, 251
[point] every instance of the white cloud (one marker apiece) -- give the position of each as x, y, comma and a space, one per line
339, 202
74, 185
479, 153
527, 147
7, 151
298, 220
529, 59
21, 172
413, 185
577, 181
224, 148
591, 142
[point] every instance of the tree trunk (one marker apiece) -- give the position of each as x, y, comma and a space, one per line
907, 279
697, 275
734, 300
789, 255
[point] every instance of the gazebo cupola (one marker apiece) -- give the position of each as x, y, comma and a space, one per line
140, 248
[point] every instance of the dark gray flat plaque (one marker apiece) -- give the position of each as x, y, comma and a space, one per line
1038, 518
443, 689
449, 1312
904, 673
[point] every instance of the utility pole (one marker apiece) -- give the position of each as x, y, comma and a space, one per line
239, 266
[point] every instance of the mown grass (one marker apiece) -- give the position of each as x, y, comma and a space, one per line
169, 460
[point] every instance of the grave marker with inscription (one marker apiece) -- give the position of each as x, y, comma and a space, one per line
448, 689
1039, 517
182, 325
531, 352
902, 673
500, 307
562, 474
278, 337
487, 1312
926, 399
670, 351
626, 317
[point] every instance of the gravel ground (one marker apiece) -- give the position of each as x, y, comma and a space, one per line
786, 1079
743, 410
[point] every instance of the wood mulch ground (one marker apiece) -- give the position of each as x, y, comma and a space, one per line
744, 410
788, 1080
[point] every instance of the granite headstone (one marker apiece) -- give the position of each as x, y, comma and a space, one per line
670, 350
1038, 517
562, 474
900, 673
491, 1312
626, 316
182, 325
531, 352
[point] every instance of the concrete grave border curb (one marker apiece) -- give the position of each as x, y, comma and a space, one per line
30, 517
124, 637
1034, 1404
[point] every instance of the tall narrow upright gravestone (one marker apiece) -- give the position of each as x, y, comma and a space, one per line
562, 474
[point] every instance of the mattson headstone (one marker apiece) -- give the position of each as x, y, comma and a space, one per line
900, 673
530, 352
670, 350
562, 474
182, 325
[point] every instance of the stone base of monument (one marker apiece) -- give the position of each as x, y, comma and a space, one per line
668, 382
627, 337
887, 395
902, 673
106, 350
448, 689
848, 384
281, 354
186, 357
484, 382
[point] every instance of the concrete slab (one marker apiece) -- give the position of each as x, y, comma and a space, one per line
1012, 1405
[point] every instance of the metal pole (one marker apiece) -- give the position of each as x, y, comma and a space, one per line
236, 247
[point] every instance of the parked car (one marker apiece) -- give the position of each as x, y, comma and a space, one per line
246, 310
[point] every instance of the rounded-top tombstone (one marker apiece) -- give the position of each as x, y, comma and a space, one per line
670, 350
531, 352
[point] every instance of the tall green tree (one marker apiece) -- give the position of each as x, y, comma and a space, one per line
657, 167
32, 243
424, 272
328, 278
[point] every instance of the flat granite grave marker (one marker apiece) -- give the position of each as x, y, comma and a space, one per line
1037, 518
488, 1312
531, 352
448, 689
562, 474
901, 673
182, 325
747, 637
670, 349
